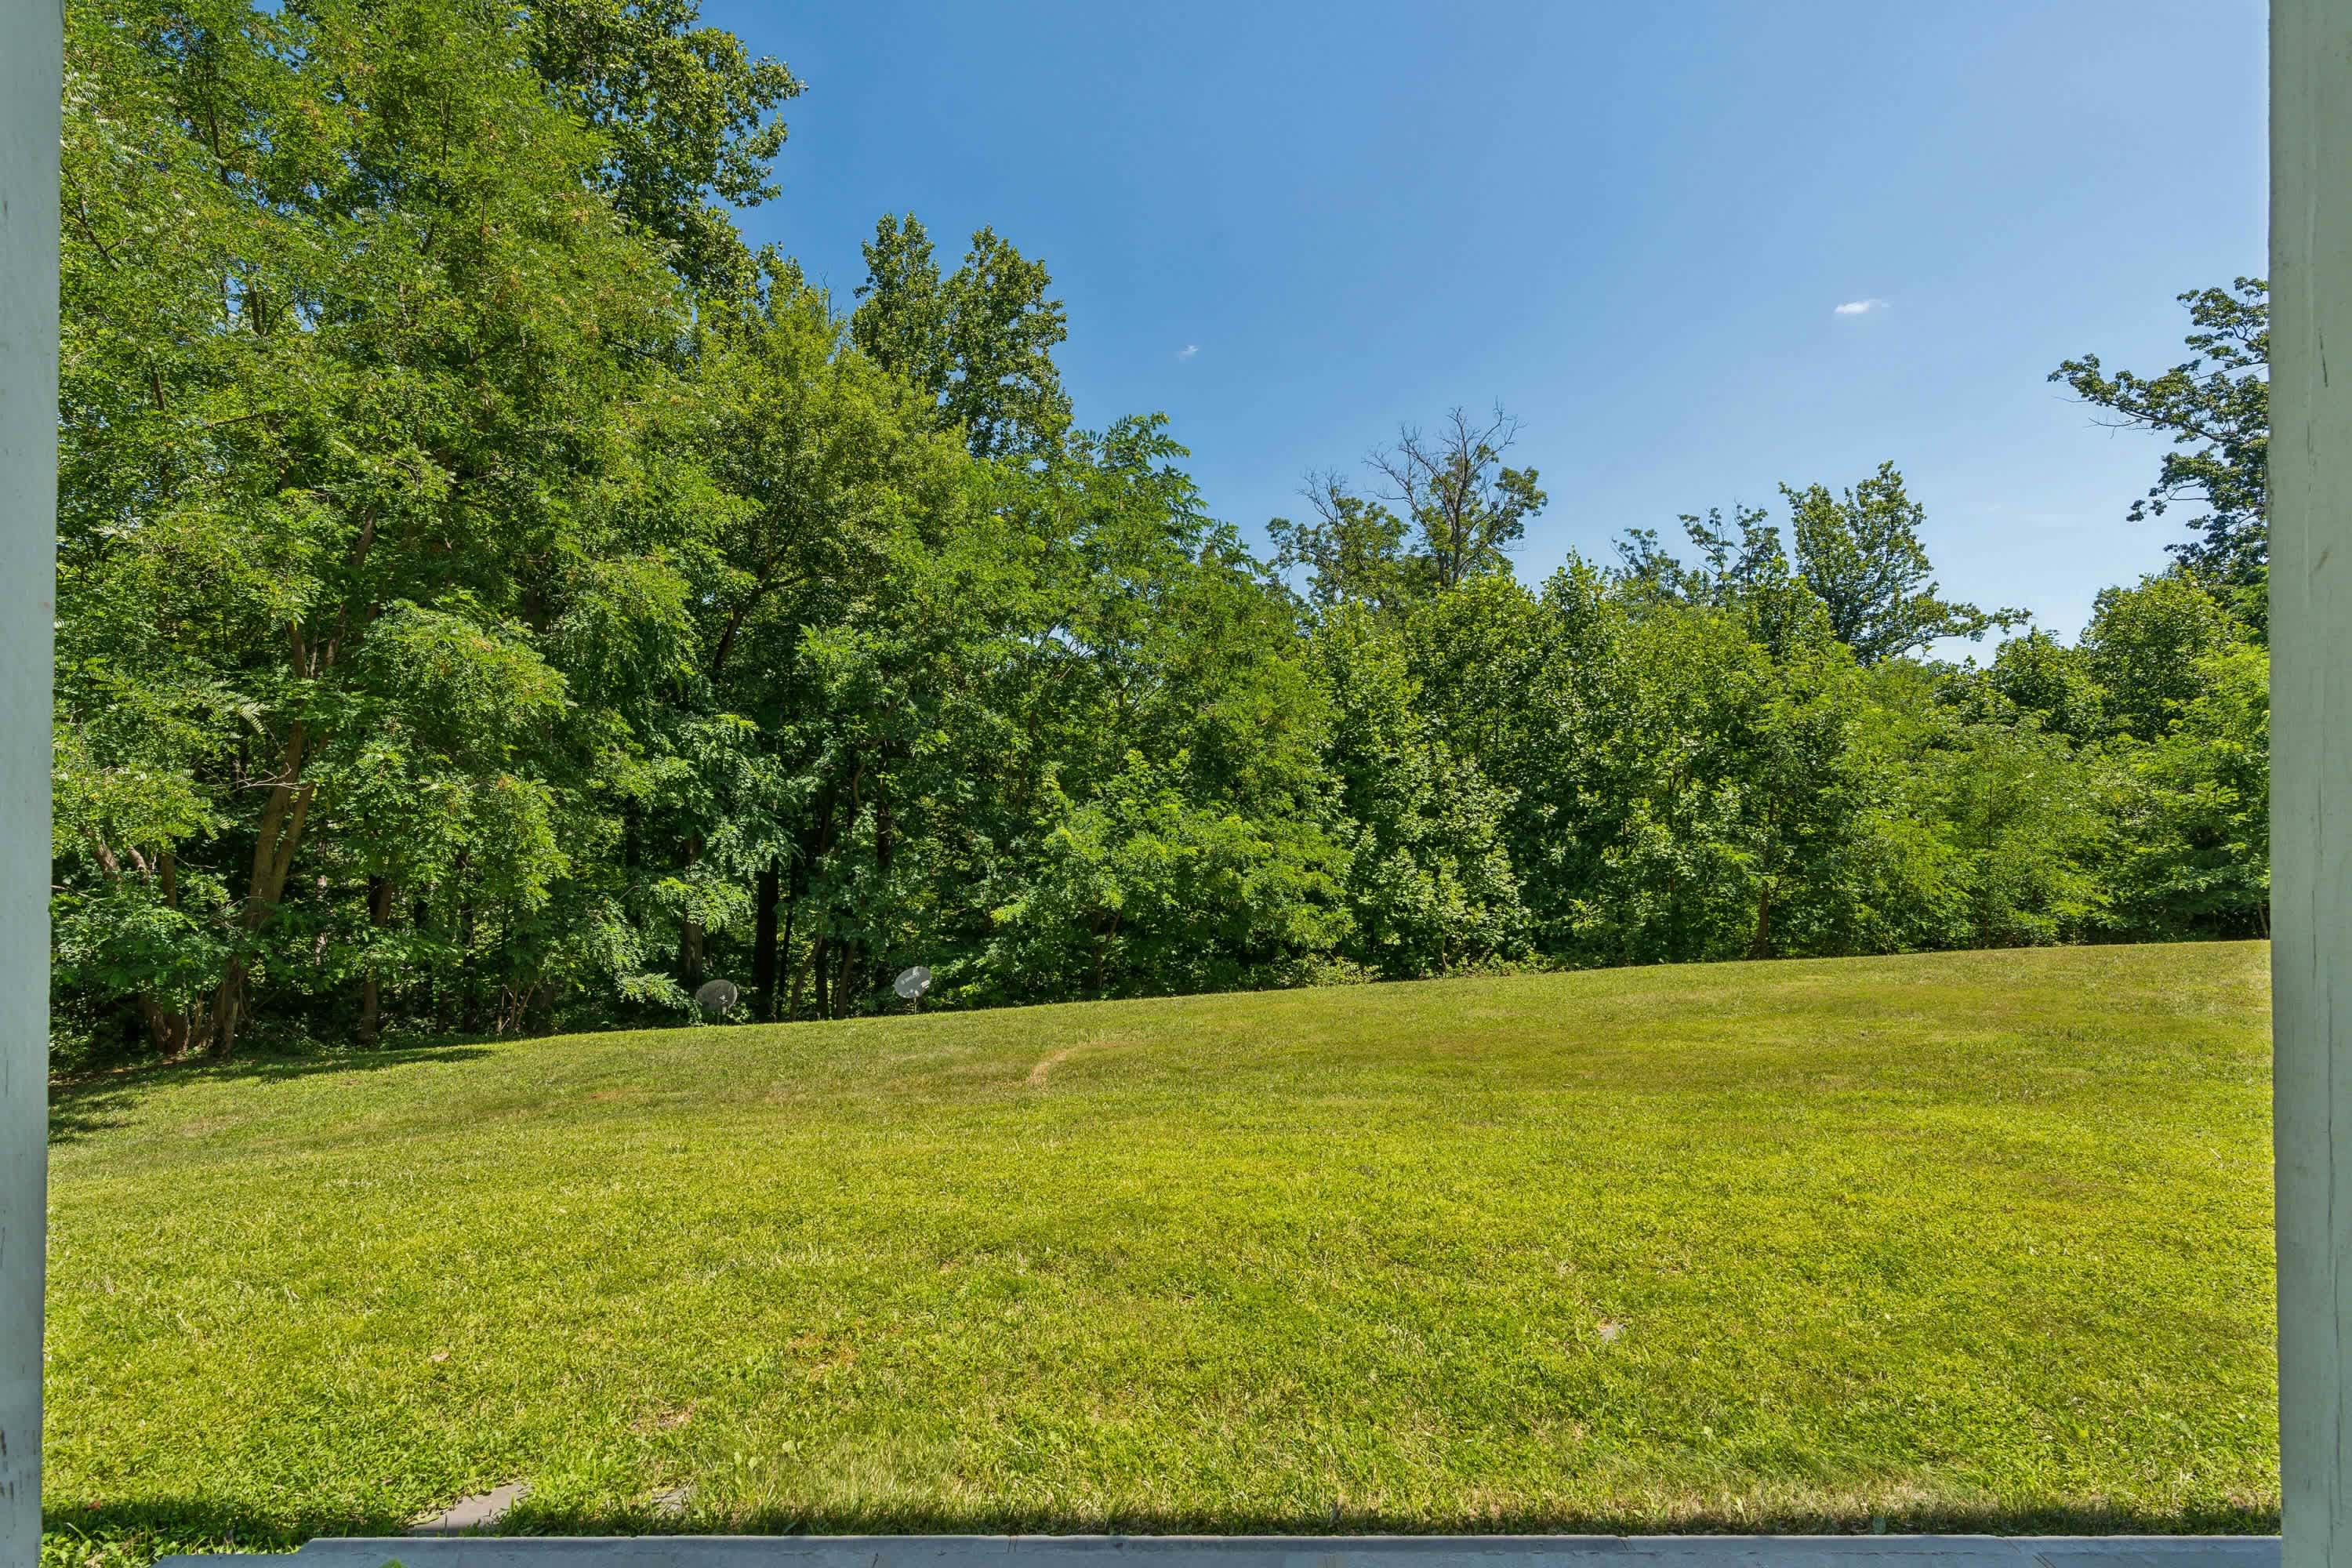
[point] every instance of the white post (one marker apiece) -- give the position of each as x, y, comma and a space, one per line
31, 55
2311, 757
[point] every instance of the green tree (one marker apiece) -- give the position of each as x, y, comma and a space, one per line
686, 116
2215, 407
979, 341
829, 485
2192, 836
1458, 512
2143, 647
340, 339
1353, 549
1430, 881
2020, 809
1468, 508
1138, 891
1860, 553
2039, 674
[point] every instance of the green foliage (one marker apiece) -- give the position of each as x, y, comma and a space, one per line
2193, 836
1140, 892
2038, 675
1468, 506
2023, 828
1353, 551
979, 341
2215, 407
2143, 647
685, 115
1460, 512
346, 332
492, 601
1860, 553
1429, 879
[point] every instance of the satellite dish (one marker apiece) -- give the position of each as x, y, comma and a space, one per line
717, 997
912, 983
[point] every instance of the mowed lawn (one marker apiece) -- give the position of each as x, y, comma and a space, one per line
1975, 1240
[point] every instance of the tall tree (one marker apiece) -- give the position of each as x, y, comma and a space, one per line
1860, 553
2190, 846
980, 342
1468, 506
834, 479
347, 347
1353, 548
2215, 407
1429, 880
687, 116
1448, 509
2144, 645
1736, 557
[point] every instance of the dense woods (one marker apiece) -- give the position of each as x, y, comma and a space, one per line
494, 599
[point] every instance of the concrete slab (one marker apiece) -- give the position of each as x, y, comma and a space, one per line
1285, 1551
475, 1513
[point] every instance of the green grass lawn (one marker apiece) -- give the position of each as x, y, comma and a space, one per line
1976, 1240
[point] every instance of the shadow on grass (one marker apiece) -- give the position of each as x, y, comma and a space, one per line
132, 1535
79, 1107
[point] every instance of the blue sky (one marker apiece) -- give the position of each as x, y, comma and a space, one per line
1294, 226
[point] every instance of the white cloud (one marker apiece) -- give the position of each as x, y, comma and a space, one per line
1188, 351
1860, 306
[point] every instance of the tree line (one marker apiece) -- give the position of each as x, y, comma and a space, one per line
494, 598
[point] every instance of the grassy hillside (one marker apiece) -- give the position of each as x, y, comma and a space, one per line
1977, 1238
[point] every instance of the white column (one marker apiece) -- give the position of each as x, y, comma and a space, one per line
31, 48
2311, 758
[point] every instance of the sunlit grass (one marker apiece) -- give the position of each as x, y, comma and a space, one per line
1976, 1239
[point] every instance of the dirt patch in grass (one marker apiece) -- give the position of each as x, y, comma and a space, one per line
1052, 1060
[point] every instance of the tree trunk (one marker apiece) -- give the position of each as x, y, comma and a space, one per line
469, 998
800, 968
1761, 947
763, 941
227, 1010
689, 932
173, 1029
420, 917
379, 894
280, 834
841, 982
